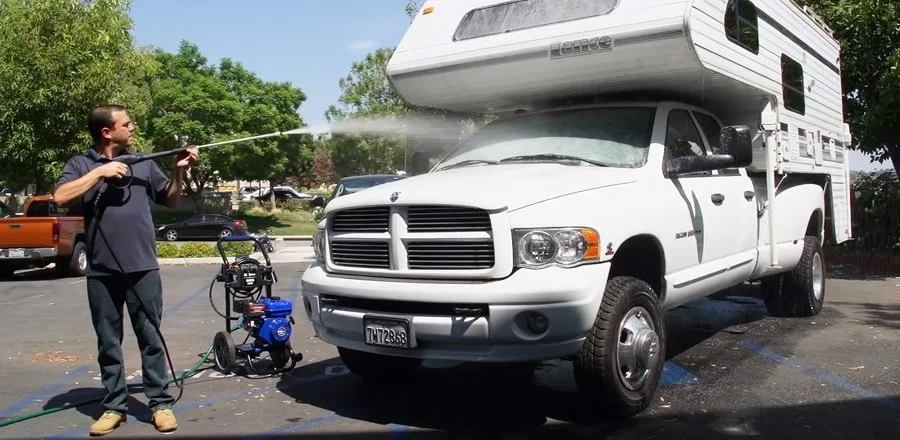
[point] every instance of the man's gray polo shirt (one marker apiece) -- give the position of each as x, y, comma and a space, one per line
124, 215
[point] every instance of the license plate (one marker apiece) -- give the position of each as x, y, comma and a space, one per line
387, 332
16, 253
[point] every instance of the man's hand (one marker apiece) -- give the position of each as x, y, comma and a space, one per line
112, 170
187, 158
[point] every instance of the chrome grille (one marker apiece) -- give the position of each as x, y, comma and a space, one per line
447, 219
362, 220
450, 254
359, 253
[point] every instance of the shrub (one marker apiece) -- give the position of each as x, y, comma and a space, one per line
197, 250
201, 250
233, 248
167, 250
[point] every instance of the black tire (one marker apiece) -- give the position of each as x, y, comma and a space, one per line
224, 354
378, 367
597, 367
799, 293
78, 263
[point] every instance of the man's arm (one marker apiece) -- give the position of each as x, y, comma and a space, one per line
74, 182
172, 194
166, 191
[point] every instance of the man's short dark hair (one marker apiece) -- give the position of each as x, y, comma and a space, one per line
101, 117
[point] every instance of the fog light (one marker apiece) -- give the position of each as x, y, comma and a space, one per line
538, 323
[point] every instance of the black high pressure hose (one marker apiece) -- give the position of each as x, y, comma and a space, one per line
178, 383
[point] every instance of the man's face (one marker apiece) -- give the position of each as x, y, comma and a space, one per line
121, 132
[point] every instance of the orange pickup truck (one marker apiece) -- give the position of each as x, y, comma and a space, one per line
46, 233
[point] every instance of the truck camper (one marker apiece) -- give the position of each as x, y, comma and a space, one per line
648, 154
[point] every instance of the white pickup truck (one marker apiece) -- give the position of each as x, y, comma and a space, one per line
565, 229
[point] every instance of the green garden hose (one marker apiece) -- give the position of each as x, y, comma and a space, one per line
66, 406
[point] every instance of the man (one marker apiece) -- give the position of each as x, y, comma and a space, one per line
126, 238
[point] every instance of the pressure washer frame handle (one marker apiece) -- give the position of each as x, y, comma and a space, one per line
259, 245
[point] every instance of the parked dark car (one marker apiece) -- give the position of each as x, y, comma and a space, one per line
202, 227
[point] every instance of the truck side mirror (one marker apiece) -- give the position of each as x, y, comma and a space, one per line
737, 143
737, 152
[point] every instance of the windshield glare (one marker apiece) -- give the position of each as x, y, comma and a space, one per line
614, 136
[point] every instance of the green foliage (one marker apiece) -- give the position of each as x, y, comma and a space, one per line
201, 103
203, 250
870, 64
167, 250
876, 212
58, 59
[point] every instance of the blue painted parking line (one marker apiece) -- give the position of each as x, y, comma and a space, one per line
41, 393
192, 406
45, 392
297, 427
674, 375
822, 375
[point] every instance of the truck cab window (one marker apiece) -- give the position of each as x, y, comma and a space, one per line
682, 136
711, 130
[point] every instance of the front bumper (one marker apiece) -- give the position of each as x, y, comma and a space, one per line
477, 321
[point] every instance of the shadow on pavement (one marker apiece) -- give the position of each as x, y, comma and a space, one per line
495, 399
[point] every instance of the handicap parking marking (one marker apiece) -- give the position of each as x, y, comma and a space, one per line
822, 375
675, 375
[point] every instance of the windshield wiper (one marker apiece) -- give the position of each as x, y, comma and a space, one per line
468, 162
553, 157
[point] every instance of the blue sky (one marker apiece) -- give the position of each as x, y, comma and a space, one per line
310, 43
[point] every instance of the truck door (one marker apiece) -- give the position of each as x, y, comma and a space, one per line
737, 232
722, 207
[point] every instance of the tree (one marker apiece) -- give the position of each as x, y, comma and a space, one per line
870, 64
199, 103
58, 59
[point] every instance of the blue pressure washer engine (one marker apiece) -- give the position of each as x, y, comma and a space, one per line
265, 318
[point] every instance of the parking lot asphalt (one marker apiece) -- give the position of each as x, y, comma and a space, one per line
732, 371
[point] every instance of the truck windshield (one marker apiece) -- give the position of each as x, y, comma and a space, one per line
606, 136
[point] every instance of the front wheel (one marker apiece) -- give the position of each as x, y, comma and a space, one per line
620, 364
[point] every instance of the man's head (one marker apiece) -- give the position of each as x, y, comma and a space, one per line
110, 125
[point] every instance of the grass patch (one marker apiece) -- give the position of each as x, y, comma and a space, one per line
279, 221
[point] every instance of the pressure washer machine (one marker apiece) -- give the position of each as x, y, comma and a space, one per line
266, 318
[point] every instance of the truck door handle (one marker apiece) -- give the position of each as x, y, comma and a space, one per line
15, 226
718, 198
749, 195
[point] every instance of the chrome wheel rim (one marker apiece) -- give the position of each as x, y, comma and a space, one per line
637, 348
224, 233
818, 273
171, 235
82, 260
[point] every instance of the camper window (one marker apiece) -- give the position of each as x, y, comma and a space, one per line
523, 14
614, 136
792, 85
741, 24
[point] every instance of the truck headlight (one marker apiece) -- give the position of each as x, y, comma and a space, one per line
567, 247
318, 243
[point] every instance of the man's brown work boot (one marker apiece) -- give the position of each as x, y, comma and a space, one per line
108, 422
164, 420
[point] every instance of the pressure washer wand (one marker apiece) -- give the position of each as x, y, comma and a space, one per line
131, 159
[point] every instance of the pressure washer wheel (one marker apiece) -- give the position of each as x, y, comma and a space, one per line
224, 352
